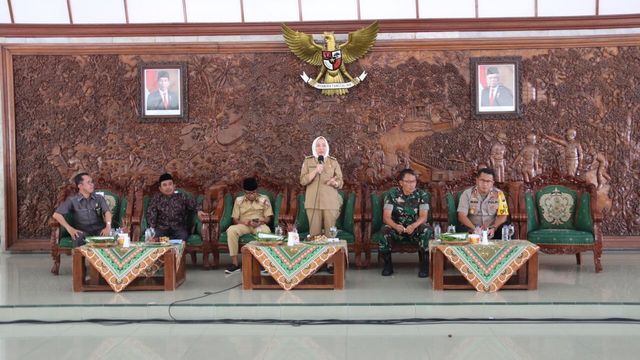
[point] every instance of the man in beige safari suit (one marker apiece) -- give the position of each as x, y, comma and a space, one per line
251, 214
322, 176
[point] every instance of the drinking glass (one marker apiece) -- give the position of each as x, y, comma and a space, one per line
505, 233
333, 232
451, 229
279, 231
512, 230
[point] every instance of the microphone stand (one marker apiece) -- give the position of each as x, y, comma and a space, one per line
315, 201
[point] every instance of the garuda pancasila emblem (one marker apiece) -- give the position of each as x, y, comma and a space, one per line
331, 58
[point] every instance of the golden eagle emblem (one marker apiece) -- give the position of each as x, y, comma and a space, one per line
331, 58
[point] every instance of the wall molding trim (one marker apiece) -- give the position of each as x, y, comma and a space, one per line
386, 26
271, 47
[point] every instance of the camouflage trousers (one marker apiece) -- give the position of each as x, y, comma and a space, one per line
420, 236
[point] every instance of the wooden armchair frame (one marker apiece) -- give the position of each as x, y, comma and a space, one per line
123, 191
512, 190
368, 244
196, 191
357, 246
581, 187
216, 196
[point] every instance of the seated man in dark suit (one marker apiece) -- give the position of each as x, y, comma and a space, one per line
91, 214
168, 210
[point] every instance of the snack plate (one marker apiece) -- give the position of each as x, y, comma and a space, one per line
102, 244
269, 243
99, 239
156, 244
317, 242
457, 242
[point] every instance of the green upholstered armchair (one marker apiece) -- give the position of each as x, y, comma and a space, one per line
561, 216
222, 219
348, 223
198, 240
121, 210
452, 190
375, 206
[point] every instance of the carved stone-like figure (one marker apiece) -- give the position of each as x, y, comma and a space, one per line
497, 158
403, 161
528, 158
377, 159
598, 170
573, 153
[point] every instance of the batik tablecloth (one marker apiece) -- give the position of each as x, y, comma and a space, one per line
120, 266
488, 267
290, 265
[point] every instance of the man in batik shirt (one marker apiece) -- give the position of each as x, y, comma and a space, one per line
405, 213
169, 209
483, 205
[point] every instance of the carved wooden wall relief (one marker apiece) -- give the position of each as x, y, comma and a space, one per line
250, 113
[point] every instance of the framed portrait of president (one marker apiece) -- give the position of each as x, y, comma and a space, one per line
495, 85
163, 92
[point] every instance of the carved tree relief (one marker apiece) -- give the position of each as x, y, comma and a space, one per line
249, 113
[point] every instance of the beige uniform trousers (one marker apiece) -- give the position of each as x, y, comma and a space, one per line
321, 219
235, 231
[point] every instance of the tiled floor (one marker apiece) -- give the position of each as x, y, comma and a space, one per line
29, 291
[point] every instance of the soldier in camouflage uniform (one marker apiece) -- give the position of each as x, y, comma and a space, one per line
405, 219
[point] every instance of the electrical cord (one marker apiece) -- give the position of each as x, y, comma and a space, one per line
206, 293
318, 322
315, 203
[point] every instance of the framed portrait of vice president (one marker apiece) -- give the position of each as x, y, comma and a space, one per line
496, 87
163, 92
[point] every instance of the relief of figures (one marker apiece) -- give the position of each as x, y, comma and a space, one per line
497, 158
529, 159
238, 125
572, 152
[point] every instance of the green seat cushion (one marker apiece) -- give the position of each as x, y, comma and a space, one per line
452, 207
66, 242
194, 240
376, 211
377, 237
560, 237
344, 222
244, 239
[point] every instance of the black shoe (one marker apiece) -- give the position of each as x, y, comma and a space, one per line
232, 269
330, 269
424, 263
387, 268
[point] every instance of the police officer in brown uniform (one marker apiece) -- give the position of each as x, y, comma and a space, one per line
251, 214
322, 176
483, 205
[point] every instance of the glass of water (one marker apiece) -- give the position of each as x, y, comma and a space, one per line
333, 232
451, 229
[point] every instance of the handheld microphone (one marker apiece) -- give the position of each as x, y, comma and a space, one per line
321, 159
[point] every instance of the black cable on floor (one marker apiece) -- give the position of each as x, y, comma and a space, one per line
405, 321
206, 293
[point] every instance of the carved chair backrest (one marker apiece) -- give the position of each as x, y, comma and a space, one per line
559, 202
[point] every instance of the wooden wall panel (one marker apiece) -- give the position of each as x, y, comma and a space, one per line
250, 113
